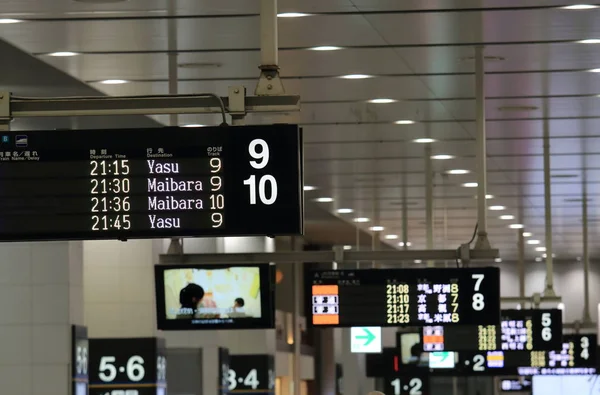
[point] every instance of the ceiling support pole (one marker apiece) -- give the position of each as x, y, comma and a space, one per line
586, 256
549, 291
521, 263
176, 244
296, 332
481, 152
269, 83
429, 200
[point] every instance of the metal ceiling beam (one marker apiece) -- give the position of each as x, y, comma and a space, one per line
16, 107
330, 256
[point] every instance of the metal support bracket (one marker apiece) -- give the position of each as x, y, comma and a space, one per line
237, 101
269, 83
139, 105
5, 114
327, 256
464, 253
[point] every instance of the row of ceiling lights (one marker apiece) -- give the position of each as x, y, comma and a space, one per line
303, 14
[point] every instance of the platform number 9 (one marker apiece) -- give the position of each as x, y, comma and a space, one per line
259, 151
546, 330
478, 300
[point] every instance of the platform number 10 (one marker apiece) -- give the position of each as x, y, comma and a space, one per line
259, 151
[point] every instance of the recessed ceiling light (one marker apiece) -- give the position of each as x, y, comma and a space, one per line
325, 48
507, 217
376, 228
516, 226
309, 188
579, 7
517, 108
347, 247
193, 125
589, 41
417, 261
391, 237
527, 234
458, 171
382, 101
404, 122
324, 199
292, 14
345, 210
361, 219
470, 185
200, 65
540, 249
424, 140
497, 208
442, 157
533, 242
408, 244
356, 76
63, 54
6, 21
113, 82
498, 260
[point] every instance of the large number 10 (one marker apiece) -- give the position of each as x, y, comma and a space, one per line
261, 159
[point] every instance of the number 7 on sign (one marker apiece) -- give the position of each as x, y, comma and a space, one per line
478, 302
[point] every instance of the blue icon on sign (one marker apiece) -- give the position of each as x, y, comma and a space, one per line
5, 139
21, 141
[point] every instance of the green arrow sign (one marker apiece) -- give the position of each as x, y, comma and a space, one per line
368, 337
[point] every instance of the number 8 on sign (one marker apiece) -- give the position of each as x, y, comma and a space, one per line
478, 299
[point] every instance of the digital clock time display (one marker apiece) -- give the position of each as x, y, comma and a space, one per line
394, 297
121, 184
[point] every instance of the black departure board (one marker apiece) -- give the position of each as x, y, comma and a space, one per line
531, 330
461, 338
145, 183
395, 297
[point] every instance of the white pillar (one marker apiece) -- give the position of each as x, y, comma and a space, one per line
41, 296
119, 288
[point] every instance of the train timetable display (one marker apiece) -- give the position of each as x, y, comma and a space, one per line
134, 183
394, 297
531, 330
461, 338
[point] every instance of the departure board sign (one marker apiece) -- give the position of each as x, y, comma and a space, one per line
412, 297
539, 330
163, 182
461, 338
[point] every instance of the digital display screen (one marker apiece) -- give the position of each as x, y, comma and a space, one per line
396, 297
566, 385
461, 338
163, 182
531, 330
517, 384
214, 296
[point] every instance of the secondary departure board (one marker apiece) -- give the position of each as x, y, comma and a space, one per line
531, 330
394, 297
461, 338
144, 183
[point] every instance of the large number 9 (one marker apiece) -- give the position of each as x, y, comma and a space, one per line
262, 157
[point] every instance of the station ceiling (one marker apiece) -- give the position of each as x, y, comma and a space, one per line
417, 53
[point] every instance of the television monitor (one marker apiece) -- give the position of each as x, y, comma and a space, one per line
204, 296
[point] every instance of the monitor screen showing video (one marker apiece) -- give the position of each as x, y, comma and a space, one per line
196, 297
